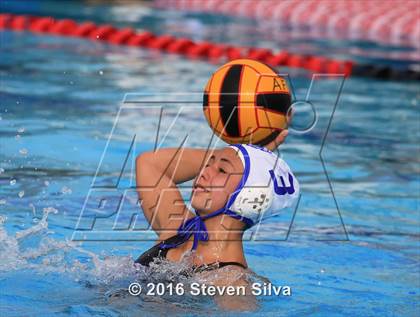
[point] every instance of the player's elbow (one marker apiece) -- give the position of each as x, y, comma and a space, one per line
143, 165
143, 160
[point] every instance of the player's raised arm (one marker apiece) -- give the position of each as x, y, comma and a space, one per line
157, 174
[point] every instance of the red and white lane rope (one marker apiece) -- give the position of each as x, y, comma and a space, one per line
191, 49
387, 21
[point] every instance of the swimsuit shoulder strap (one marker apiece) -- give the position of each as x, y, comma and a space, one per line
215, 266
222, 264
156, 251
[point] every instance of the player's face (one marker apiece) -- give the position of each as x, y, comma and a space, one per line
217, 180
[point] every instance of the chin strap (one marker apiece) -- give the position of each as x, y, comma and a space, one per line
193, 226
196, 226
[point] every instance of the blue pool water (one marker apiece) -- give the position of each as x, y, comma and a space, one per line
60, 98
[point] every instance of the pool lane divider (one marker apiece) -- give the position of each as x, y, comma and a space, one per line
193, 50
389, 21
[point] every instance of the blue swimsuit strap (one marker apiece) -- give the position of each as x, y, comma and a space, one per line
196, 226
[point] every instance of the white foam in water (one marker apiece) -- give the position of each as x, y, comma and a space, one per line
110, 275
42, 224
50, 256
9, 250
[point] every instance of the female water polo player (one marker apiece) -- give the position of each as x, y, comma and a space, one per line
233, 188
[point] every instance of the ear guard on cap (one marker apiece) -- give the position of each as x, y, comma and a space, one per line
251, 202
267, 186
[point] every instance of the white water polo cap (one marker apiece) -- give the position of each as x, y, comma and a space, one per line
267, 185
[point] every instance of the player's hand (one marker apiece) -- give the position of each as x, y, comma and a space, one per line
273, 145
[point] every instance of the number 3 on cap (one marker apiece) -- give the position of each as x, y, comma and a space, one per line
283, 189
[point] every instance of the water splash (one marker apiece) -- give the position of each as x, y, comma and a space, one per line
13, 254
9, 250
41, 225
107, 275
33, 208
51, 255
